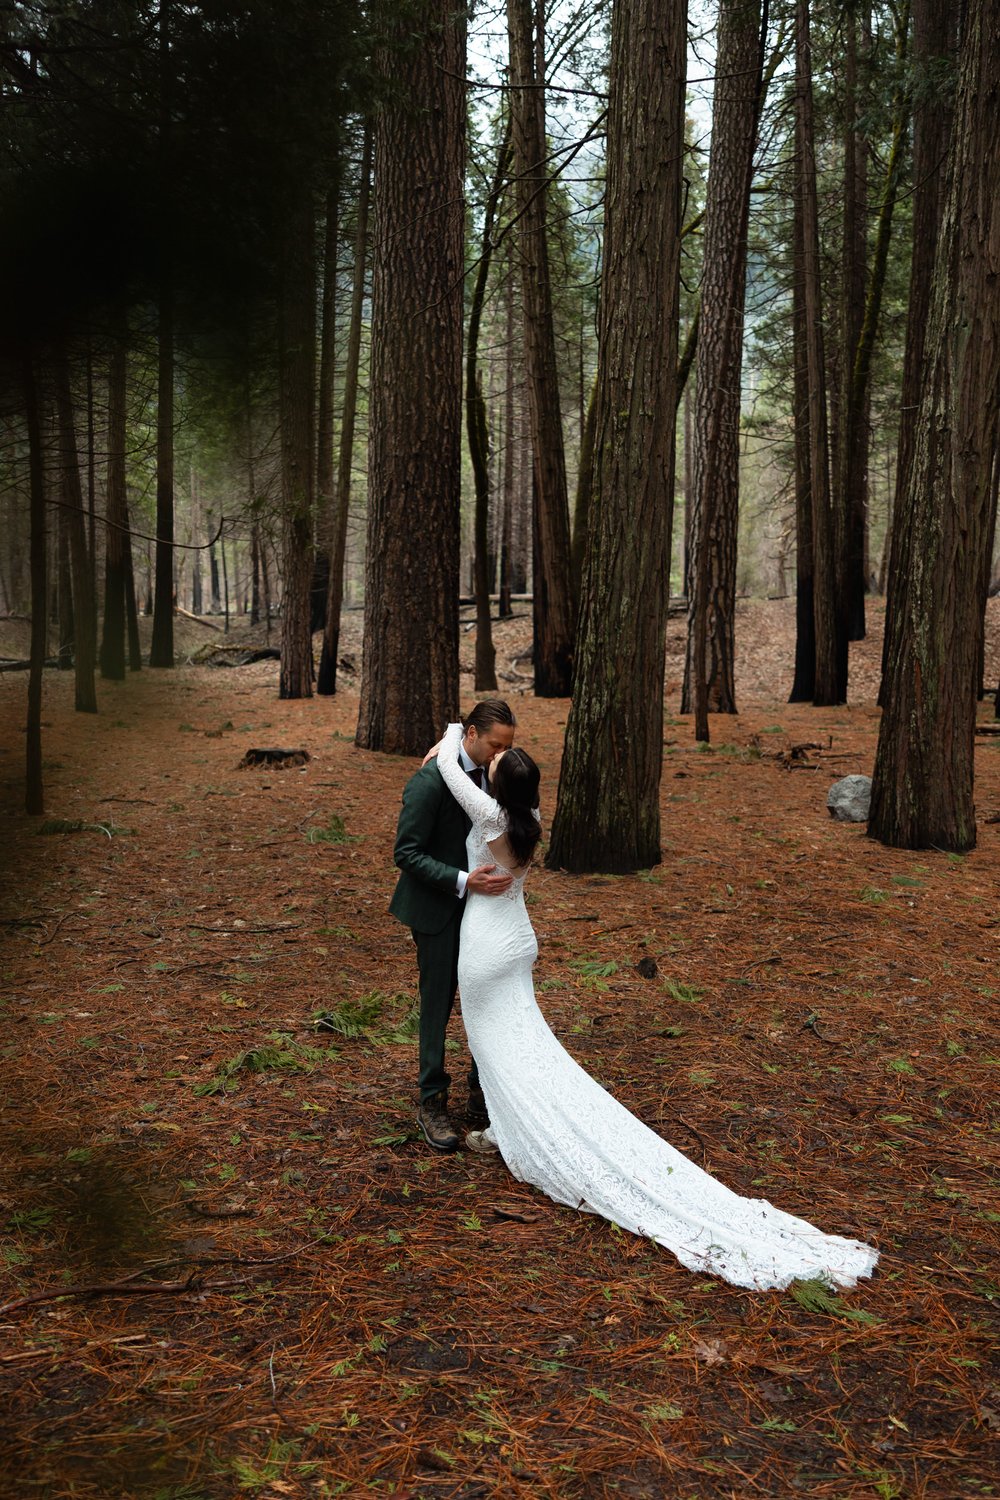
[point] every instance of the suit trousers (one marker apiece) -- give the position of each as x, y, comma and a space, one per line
437, 964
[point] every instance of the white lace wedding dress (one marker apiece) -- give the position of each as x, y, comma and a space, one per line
561, 1131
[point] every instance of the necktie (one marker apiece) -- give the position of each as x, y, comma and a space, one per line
476, 775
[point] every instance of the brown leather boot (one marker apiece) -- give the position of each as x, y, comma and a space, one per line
476, 1108
438, 1131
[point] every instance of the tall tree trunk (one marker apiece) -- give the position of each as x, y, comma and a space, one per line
851, 462
828, 615
922, 787
91, 476
131, 608
584, 490
213, 567
161, 653
804, 682
296, 398
477, 431
72, 501
64, 593
861, 332
112, 657
991, 531
554, 603
709, 680
255, 573
325, 495
933, 46
266, 587
197, 600
34, 796
608, 812
509, 448
410, 675
225, 580
327, 680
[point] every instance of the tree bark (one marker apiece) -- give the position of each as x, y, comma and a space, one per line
327, 680
860, 331
71, 491
830, 625
852, 458
933, 46
709, 680
161, 653
34, 795
409, 686
112, 656
922, 787
325, 471
804, 681
554, 607
509, 448
131, 607
296, 398
478, 432
608, 812
64, 594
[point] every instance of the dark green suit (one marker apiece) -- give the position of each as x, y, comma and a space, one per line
430, 851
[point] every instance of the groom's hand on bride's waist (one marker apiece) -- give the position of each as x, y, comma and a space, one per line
488, 880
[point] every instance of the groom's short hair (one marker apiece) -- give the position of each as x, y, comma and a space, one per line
489, 711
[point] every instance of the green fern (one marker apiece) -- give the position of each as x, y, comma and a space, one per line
284, 1055
817, 1297
364, 1018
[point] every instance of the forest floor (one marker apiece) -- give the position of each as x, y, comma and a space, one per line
229, 1265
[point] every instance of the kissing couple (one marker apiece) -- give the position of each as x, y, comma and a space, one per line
466, 838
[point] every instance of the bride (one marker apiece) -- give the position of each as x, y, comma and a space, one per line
554, 1126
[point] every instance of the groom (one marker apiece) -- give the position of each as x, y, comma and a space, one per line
430, 899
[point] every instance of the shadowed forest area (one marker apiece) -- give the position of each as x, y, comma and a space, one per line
305, 1300
638, 363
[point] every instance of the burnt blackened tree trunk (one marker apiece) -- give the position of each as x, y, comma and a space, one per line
709, 682
922, 787
409, 685
608, 813
554, 603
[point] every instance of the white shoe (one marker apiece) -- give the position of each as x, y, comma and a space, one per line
482, 1142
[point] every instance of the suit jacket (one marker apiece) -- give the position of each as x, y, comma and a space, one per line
430, 851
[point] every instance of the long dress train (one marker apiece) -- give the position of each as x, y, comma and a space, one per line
557, 1128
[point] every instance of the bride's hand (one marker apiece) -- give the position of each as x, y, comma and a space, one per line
431, 753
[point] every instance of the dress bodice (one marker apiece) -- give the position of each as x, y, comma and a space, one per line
489, 821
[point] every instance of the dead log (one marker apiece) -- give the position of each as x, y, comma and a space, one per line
208, 624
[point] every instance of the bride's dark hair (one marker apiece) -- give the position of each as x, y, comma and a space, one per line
515, 786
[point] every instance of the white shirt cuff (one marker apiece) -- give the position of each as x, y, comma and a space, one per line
462, 882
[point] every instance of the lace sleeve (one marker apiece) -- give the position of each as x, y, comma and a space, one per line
479, 806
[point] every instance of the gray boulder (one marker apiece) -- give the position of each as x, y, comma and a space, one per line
848, 799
